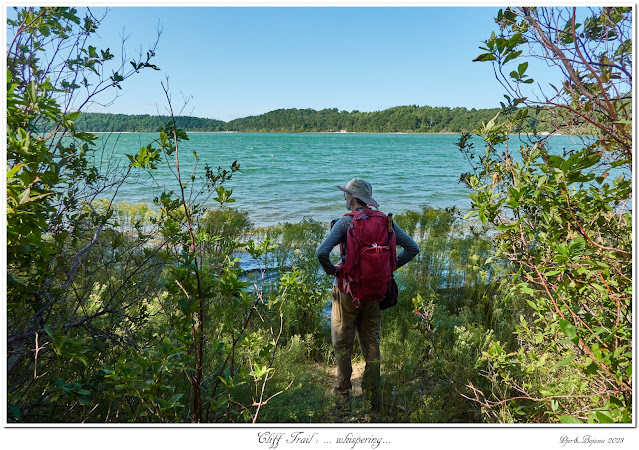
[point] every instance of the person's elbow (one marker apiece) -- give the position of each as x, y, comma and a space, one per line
413, 253
322, 256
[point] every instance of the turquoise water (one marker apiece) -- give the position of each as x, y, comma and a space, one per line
286, 177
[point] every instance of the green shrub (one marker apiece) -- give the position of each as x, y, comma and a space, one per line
227, 223
562, 218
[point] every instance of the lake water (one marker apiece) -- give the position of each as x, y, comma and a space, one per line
286, 177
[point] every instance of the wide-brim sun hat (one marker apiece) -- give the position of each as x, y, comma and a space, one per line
360, 189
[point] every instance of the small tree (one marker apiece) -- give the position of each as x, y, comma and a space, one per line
563, 219
53, 224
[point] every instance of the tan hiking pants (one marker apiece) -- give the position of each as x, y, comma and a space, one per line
367, 321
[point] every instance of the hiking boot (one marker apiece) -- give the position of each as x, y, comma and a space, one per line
342, 404
342, 397
374, 399
372, 384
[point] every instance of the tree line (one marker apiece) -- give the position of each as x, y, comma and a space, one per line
100, 122
408, 119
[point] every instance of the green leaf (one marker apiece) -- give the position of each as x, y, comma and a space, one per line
596, 264
596, 333
599, 287
551, 273
485, 57
175, 399
38, 197
523, 287
509, 226
568, 328
72, 116
604, 417
532, 305
512, 55
522, 68
15, 169
176, 352
24, 196
563, 362
591, 367
569, 419
577, 245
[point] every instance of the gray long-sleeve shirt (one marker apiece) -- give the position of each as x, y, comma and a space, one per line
338, 233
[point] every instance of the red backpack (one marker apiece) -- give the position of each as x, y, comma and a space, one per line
370, 256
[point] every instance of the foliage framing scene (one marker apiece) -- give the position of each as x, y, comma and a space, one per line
517, 310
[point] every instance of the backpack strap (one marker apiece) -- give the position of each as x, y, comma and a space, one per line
341, 244
349, 291
343, 283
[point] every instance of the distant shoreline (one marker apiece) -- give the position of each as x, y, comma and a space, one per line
545, 133
281, 132
407, 119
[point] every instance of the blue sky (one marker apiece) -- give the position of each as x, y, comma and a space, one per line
235, 62
238, 61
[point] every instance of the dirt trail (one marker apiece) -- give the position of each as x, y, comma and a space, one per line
356, 376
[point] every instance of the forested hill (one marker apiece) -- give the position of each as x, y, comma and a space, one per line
416, 119
97, 122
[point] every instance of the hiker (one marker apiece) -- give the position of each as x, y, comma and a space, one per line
350, 314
